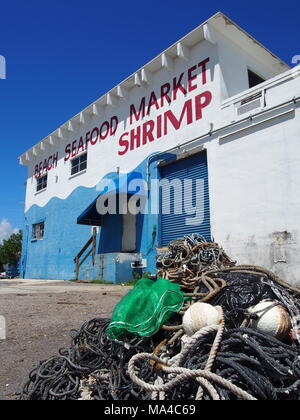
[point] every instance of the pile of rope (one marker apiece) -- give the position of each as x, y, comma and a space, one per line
93, 363
188, 257
248, 365
227, 361
246, 286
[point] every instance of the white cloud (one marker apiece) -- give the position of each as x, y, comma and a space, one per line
6, 229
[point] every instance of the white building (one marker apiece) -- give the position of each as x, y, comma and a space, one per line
216, 108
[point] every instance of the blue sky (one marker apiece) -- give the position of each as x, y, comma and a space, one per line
62, 55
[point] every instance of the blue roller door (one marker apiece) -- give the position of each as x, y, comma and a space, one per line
184, 205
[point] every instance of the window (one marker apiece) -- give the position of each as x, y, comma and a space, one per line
41, 183
254, 79
79, 164
38, 230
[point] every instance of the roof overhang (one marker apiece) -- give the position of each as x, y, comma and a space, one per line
126, 184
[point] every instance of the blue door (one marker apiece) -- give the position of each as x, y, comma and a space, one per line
184, 199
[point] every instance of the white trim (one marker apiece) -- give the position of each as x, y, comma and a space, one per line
268, 84
221, 138
77, 174
40, 191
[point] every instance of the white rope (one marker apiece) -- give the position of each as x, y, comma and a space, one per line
214, 349
182, 375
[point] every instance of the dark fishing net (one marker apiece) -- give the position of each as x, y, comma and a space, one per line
241, 292
91, 355
259, 364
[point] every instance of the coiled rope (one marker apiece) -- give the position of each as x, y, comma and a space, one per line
183, 374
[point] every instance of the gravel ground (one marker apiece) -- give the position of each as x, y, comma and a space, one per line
39, 316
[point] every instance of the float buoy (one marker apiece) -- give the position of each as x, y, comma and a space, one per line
200, 315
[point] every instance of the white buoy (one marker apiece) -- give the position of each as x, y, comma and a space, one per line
270, 318
200, 315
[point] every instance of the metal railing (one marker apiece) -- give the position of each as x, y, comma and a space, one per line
91, 243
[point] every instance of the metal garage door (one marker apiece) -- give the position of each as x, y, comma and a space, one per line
184, 199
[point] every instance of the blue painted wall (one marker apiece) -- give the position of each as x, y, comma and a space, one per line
53, 257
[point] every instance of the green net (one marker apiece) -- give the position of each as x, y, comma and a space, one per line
145, 308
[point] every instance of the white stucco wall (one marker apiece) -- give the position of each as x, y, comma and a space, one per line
254, 195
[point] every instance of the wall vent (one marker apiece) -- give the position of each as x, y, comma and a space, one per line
249, 104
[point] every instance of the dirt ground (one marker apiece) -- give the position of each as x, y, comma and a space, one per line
39, 316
